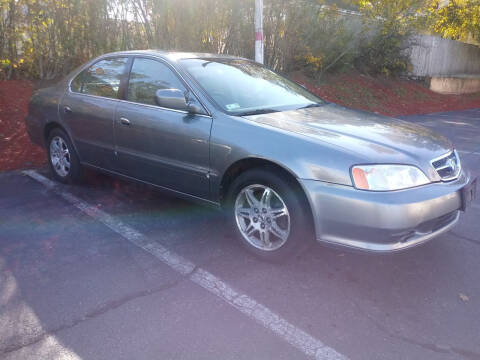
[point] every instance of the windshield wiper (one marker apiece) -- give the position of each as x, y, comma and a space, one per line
311, 106
257, 112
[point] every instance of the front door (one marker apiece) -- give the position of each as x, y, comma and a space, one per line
162, 146
88, 109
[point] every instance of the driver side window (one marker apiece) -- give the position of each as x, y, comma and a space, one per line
146, 77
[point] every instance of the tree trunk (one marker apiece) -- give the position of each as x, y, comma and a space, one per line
12, 46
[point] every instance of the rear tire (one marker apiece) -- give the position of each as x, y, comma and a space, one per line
62, 157
269, 215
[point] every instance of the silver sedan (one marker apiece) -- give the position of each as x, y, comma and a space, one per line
285, 165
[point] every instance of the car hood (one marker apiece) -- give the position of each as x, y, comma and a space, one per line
370, 137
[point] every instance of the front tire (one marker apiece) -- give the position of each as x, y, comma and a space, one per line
62, 158
269, 215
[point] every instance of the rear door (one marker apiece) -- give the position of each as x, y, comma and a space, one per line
162, 146
88, 109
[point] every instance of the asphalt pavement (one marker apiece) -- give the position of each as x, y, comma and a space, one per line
113, 270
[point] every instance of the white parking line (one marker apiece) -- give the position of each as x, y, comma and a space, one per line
300, 339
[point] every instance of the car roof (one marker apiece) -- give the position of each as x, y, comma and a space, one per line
175, 55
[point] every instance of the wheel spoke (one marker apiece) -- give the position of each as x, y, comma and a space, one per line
54, 146
250, 230
275, 230
265, 237
243, 212
266, 197
276, 213
252, 201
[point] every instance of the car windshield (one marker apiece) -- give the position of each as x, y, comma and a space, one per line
242, 87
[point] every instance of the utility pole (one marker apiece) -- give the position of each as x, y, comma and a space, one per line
259, 31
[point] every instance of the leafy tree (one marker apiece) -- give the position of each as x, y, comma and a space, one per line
47, 38
331, 39
389, 25
458, 20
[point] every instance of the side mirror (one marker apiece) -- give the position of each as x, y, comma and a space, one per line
178, 100
171, 99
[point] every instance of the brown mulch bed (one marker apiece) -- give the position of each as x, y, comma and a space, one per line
16, 150
393, 97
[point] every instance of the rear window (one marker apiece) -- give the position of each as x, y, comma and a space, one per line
76, 85
101, 79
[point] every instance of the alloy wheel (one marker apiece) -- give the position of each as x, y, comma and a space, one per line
262, 217
60, 156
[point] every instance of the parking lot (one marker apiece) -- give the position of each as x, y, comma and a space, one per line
114, 270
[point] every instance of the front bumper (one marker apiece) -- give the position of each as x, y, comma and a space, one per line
383, 221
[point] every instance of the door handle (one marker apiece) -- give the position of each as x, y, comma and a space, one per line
67, 110
125, 121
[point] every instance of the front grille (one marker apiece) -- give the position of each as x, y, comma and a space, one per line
448, 166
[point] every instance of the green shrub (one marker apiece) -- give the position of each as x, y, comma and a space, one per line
383, 54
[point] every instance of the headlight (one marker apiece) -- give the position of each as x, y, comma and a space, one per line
387, 177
